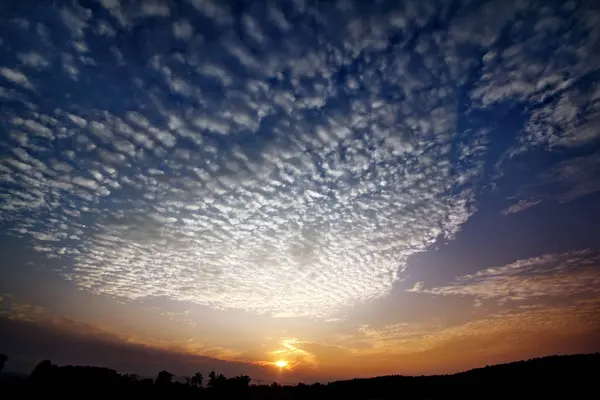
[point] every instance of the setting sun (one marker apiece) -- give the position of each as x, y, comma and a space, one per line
281, 363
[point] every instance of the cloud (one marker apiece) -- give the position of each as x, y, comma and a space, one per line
33, 59
577, 177
521, 205
566, 181
284, 174
555, 82
291, 350
182, 29
213, 10
39, 319
16, 77
444, 346
155, 9
548, 276
66, 341
318, 214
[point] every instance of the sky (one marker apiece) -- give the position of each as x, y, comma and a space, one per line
355, 188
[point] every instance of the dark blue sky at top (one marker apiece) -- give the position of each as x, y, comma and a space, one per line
138, 65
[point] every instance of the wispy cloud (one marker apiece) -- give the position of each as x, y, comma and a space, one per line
443, 346
521, 205
566, 181
44, 319
548, 276
291, 350
33, 331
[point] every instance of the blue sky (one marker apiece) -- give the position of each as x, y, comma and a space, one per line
319, 181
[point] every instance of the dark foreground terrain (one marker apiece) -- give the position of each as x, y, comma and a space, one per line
560, 377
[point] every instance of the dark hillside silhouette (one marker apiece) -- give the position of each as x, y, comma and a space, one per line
548, 377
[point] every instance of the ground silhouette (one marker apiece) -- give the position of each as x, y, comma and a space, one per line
3, 358
550, 377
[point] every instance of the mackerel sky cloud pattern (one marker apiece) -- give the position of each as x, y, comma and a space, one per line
283, 158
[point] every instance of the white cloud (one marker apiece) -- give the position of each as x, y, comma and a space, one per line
253, 30
75, 19
216, 71
277, 16
33, 59
16, 77
213, 9
182, 29
152, 8
34, 127
521, 205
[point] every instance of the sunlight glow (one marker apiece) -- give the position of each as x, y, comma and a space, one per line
281, 363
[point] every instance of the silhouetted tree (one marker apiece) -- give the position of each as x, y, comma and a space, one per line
129, 380
164, 378
196, 380
43, 367
212, 377
215, 380
242, 381
42, 373
131, 377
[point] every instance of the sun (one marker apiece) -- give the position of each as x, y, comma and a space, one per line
281, 363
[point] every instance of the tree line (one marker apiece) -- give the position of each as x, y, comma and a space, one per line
549, 377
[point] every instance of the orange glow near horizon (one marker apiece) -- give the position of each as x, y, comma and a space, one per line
281, 363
